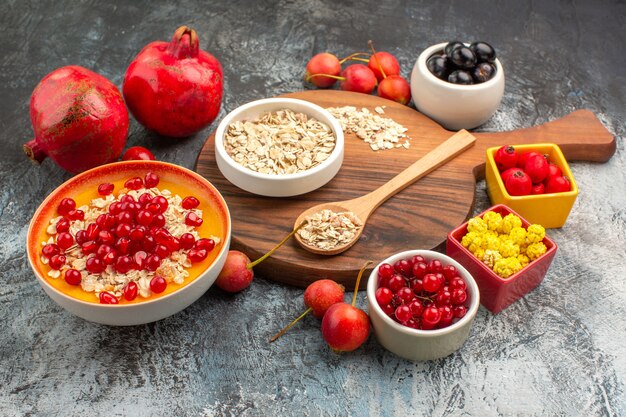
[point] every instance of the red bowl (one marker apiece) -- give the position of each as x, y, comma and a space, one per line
497, 293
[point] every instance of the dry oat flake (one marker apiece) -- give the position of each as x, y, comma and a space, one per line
280, 142
327, 229
378, 131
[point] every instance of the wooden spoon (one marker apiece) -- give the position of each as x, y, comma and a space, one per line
365, 205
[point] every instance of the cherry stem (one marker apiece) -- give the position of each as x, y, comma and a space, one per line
308, 78
290, 325
341, 61
358, 280
380, 67
282, 242
357, 59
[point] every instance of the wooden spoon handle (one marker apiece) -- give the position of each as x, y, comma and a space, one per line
446, 151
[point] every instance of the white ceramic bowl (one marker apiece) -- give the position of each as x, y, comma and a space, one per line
454, 106
279, 185
416, 344
126, 314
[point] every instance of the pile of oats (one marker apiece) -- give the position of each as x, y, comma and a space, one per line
327, 229
280, 142
173, 269
380, 132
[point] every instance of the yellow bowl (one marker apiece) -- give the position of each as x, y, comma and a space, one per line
548, 210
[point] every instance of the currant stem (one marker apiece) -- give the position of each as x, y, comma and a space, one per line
358, 280
341, 61
290, 325
380, 67
282, 242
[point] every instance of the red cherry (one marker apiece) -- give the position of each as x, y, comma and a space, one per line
73, 277
65, 206
190, 202
63, 225
235, 275
151, 180
65, 240
130, 291
105, 188
192, 219
49, 250
158, 284
138, 153
134, 183
322, 294
108, 298
345, 327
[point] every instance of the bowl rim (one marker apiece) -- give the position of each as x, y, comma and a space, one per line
484, 267
331, 121
433, 49
372, 286
80, 176
491, 164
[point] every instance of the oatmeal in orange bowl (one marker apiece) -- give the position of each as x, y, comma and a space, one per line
129, 242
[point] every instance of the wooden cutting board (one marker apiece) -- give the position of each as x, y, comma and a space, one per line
419, 217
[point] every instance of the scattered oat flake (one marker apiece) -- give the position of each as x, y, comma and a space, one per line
379, 132
327, 229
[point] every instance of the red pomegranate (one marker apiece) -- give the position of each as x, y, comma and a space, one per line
175, 88
79, 118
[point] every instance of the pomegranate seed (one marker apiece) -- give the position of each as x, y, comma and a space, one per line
57, 261
130, 207
123, 264
197, 255
137, 234
145, 199
105, 188
94, 265
187, 240
89, 246
81, 237
124, 217
383, 296
63, 225
134, 247
76, 215
110, 258
173, 244
192, 219
134, 183
162, 202
65, 240
130, 291
140, 257
190, 202
162, 236
73, 277
144, 217
158, 284
127, 198
162, 251
92, 231
158, 220
153, 207
108, 298
50, 250
148, 244
103, 250
115, 208
207, 244
152, 262
105, 237
151, 180
122, 244
65, 206
122, 230
109, 221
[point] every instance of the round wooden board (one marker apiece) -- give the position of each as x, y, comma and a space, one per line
418, 217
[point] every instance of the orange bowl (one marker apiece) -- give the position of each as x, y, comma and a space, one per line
548, 210
83, 188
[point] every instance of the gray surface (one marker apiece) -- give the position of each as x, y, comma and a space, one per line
559, 351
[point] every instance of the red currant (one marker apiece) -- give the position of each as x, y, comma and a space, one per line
450, 271
383, 296
435, 266
419, 269
130, 291
459, 311
417, 285
416, 308
443, 298
405, 294
158, 284
431, 283
457, 282
403, 267
431, 315
403, 313
105, 188
396, 282
458, 296
446, 316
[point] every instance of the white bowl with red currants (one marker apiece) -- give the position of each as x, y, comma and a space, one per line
422, 304
457, 84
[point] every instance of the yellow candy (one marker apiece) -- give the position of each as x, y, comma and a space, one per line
508, 248
509, 222
536, 233
518, 235
476, 224
468, 239
491, 242
523, 259
535, 250
480, 253
490, 257
505, 267
493, 220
